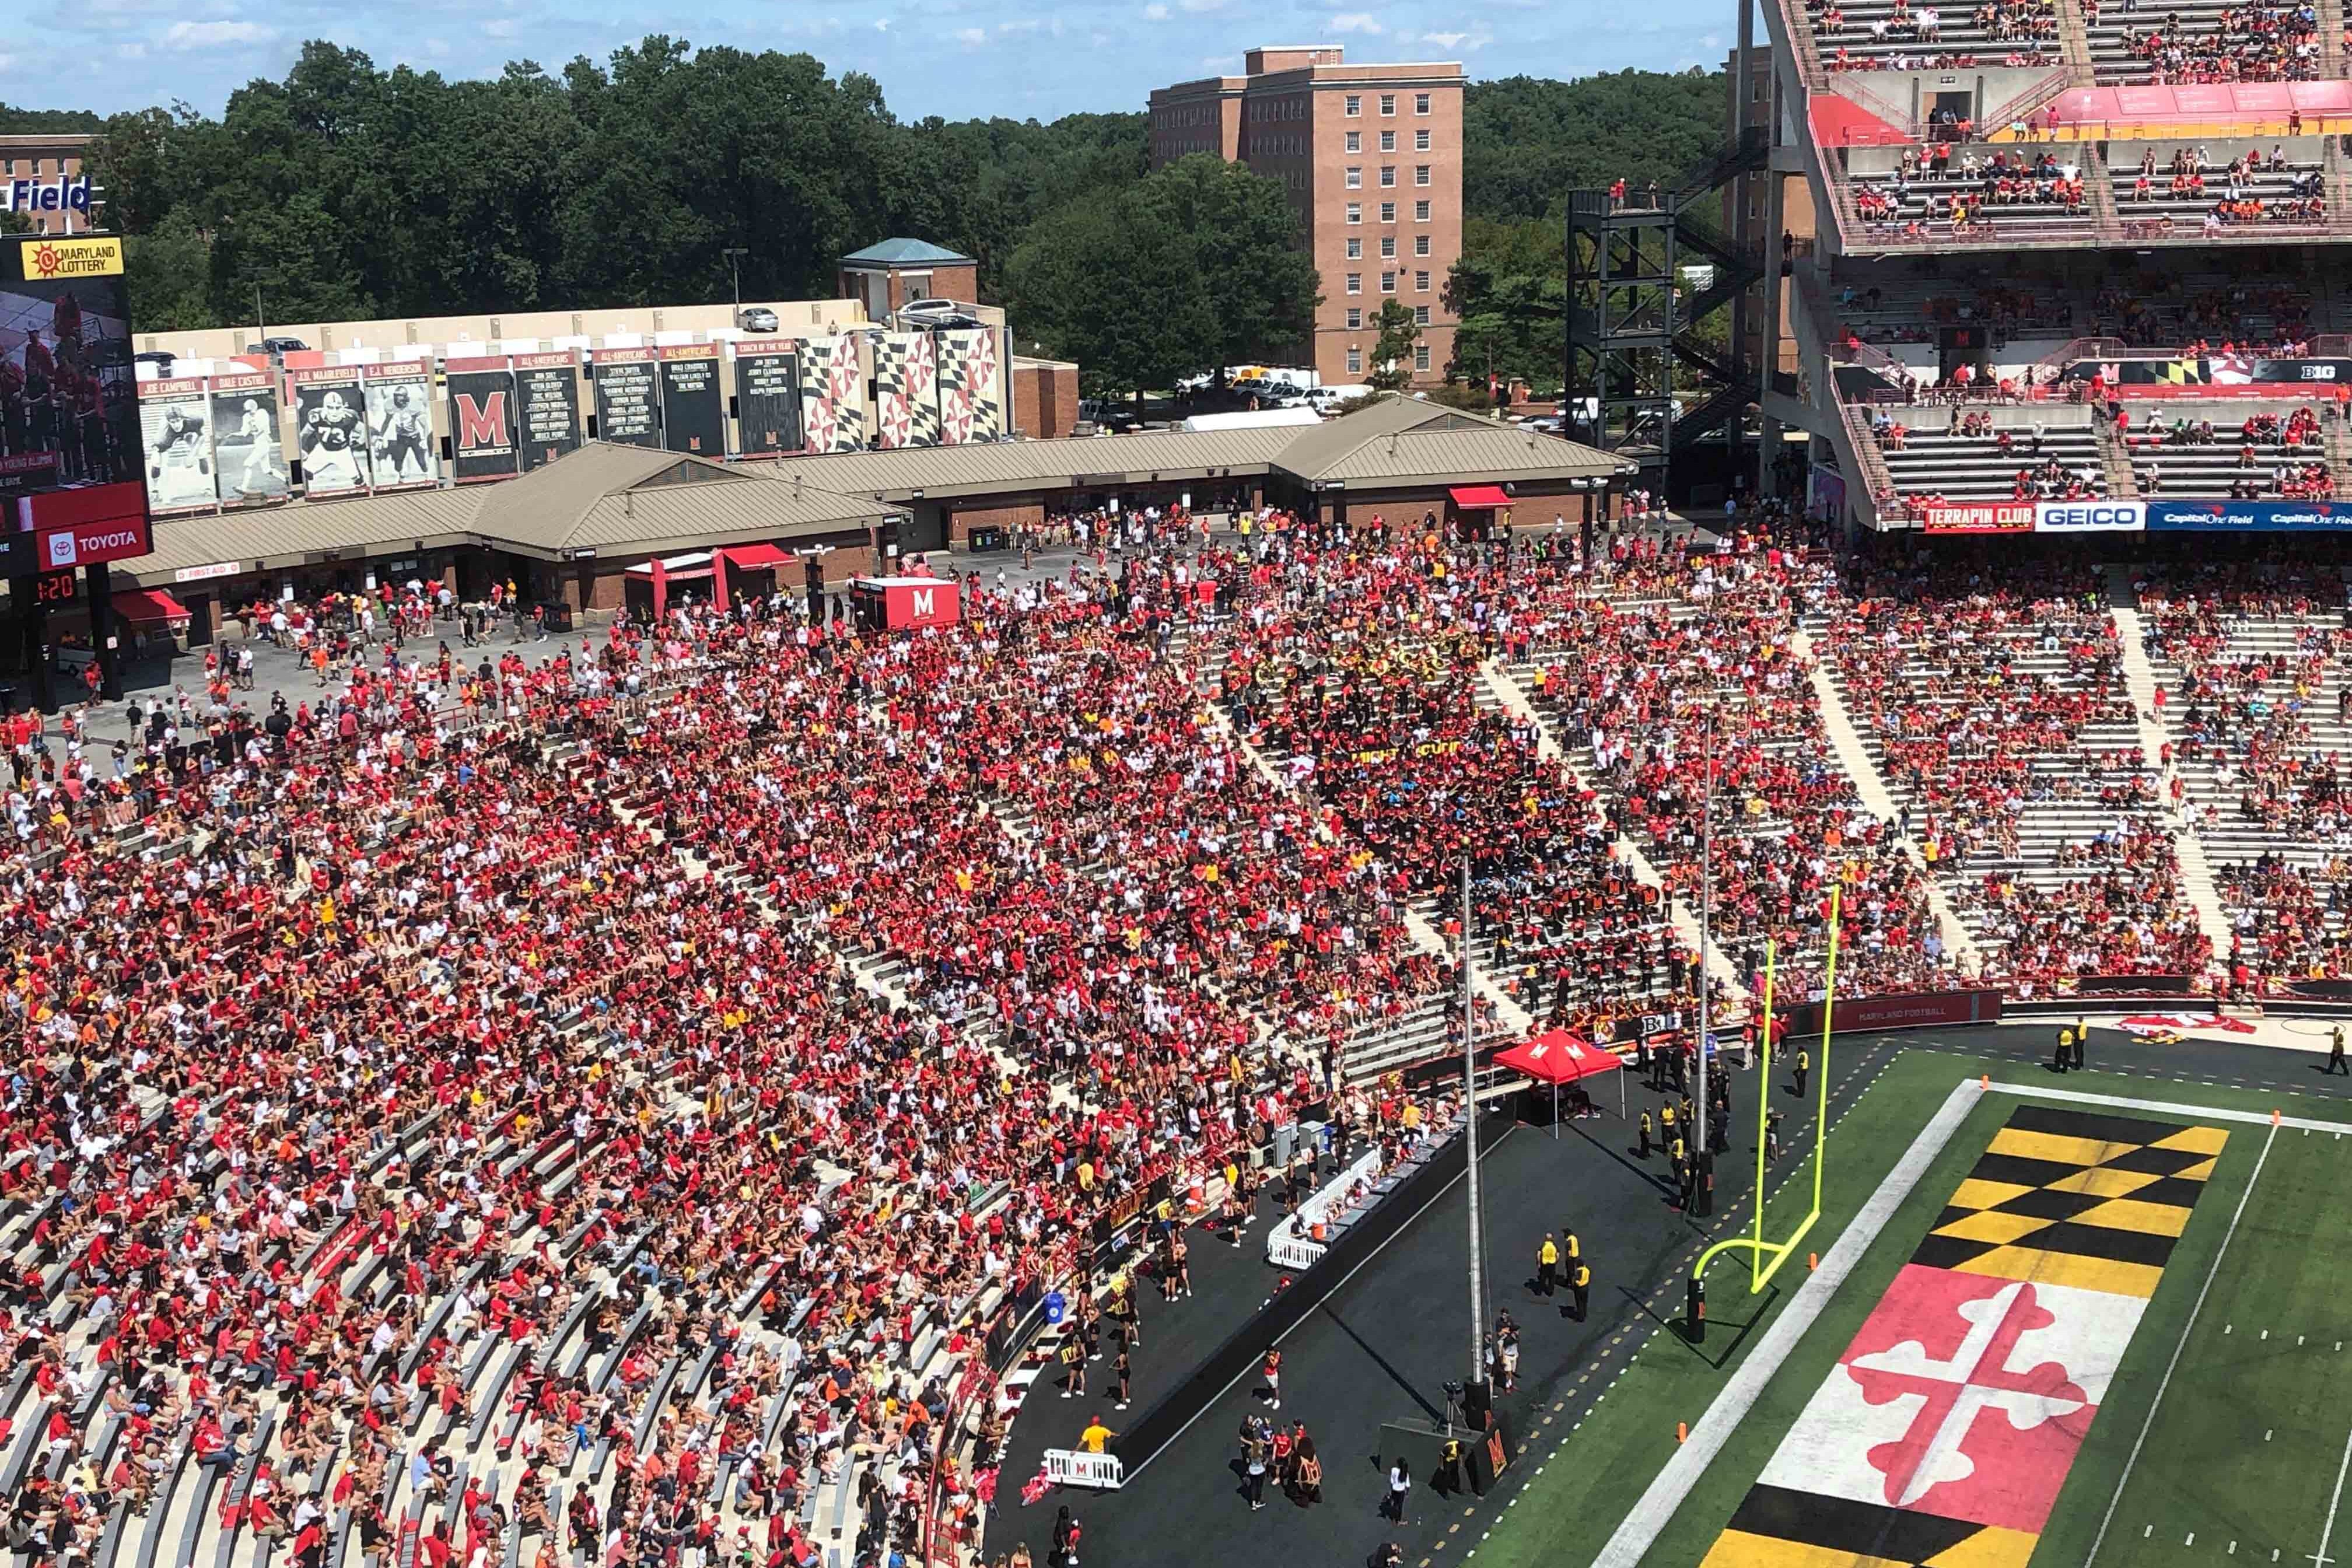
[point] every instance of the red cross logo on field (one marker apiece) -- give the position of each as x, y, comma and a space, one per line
1976, 1377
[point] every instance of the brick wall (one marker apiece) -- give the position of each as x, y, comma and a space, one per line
993, 515
1045, 399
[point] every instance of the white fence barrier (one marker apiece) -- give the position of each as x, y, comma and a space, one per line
1289, 1244
1070, 1467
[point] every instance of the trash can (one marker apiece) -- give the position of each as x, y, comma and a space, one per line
559, 615
989, 537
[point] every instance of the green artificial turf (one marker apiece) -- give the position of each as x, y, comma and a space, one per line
2198, 1471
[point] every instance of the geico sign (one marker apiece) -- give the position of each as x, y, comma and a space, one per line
2089, 517
83, 546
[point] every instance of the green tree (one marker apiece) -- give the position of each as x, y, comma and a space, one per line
1527, 140
1393, 348
169, 272
1191, 269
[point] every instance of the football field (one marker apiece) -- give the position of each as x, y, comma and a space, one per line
2057, 1320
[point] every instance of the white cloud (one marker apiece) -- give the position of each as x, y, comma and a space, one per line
7, 64
972, 35
1443, 40
1155, 12
437, 47
129, 51
883, 25
215, 35
1198, 6
1029, 25
503, 28
1356, 22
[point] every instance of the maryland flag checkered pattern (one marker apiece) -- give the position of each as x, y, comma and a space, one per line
1943, 1436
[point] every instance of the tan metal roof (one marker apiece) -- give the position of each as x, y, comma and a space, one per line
621, 500
1494, 452
995, 466
286, 534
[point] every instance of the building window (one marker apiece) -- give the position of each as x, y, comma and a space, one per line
1421, 244
37, 168
1420, 282
1421, 103
1388, 247
1421, 140
1421, 212
1421, 356
1355, 104
1355, 360
1355, 317
1355, 179
1355, 249
1388, 282
1388, 141
1388, 212
1387, 103
7, 166
1355, 141
1421, 315
1388, 175
1757, 85
1355, 283
1355, 212
1421, 174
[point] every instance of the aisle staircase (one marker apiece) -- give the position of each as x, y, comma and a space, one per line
1512, 697
2139, 680
1959, 942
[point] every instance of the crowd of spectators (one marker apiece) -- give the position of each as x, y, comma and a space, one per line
650, 1066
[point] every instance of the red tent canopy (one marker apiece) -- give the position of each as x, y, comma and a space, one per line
1557, 1057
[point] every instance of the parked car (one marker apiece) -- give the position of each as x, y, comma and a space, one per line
936, 315
278, 348
756, 319
162, 359
1104, 414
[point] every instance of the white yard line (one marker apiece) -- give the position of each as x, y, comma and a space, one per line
2320, 1557
1665, 1495
2176, 1107
2182, 1342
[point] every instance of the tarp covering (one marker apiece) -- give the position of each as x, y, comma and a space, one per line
1557, 1056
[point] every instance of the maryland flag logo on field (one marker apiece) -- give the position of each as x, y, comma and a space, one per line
1944, 1434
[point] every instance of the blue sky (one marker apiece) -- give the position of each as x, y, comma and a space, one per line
1021, 58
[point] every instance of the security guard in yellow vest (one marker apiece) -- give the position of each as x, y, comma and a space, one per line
1547, 1266
1580, 1279
1645, 1128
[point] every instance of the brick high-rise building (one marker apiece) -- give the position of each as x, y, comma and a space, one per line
1371, 155
44, 158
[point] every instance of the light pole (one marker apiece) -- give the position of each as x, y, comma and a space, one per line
735, 255
1703, 1182
1477, 1382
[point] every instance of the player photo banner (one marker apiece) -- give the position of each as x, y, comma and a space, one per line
629, 396
905, 390
767, 399
1947, 1429
482, 443
248, 453
547, 388
331, 429
845, 380
174, 428
402, 449
694, 415
955, 352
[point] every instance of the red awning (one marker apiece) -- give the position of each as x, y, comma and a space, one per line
756, 557
1557, 1056
148, 606
1477, 498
